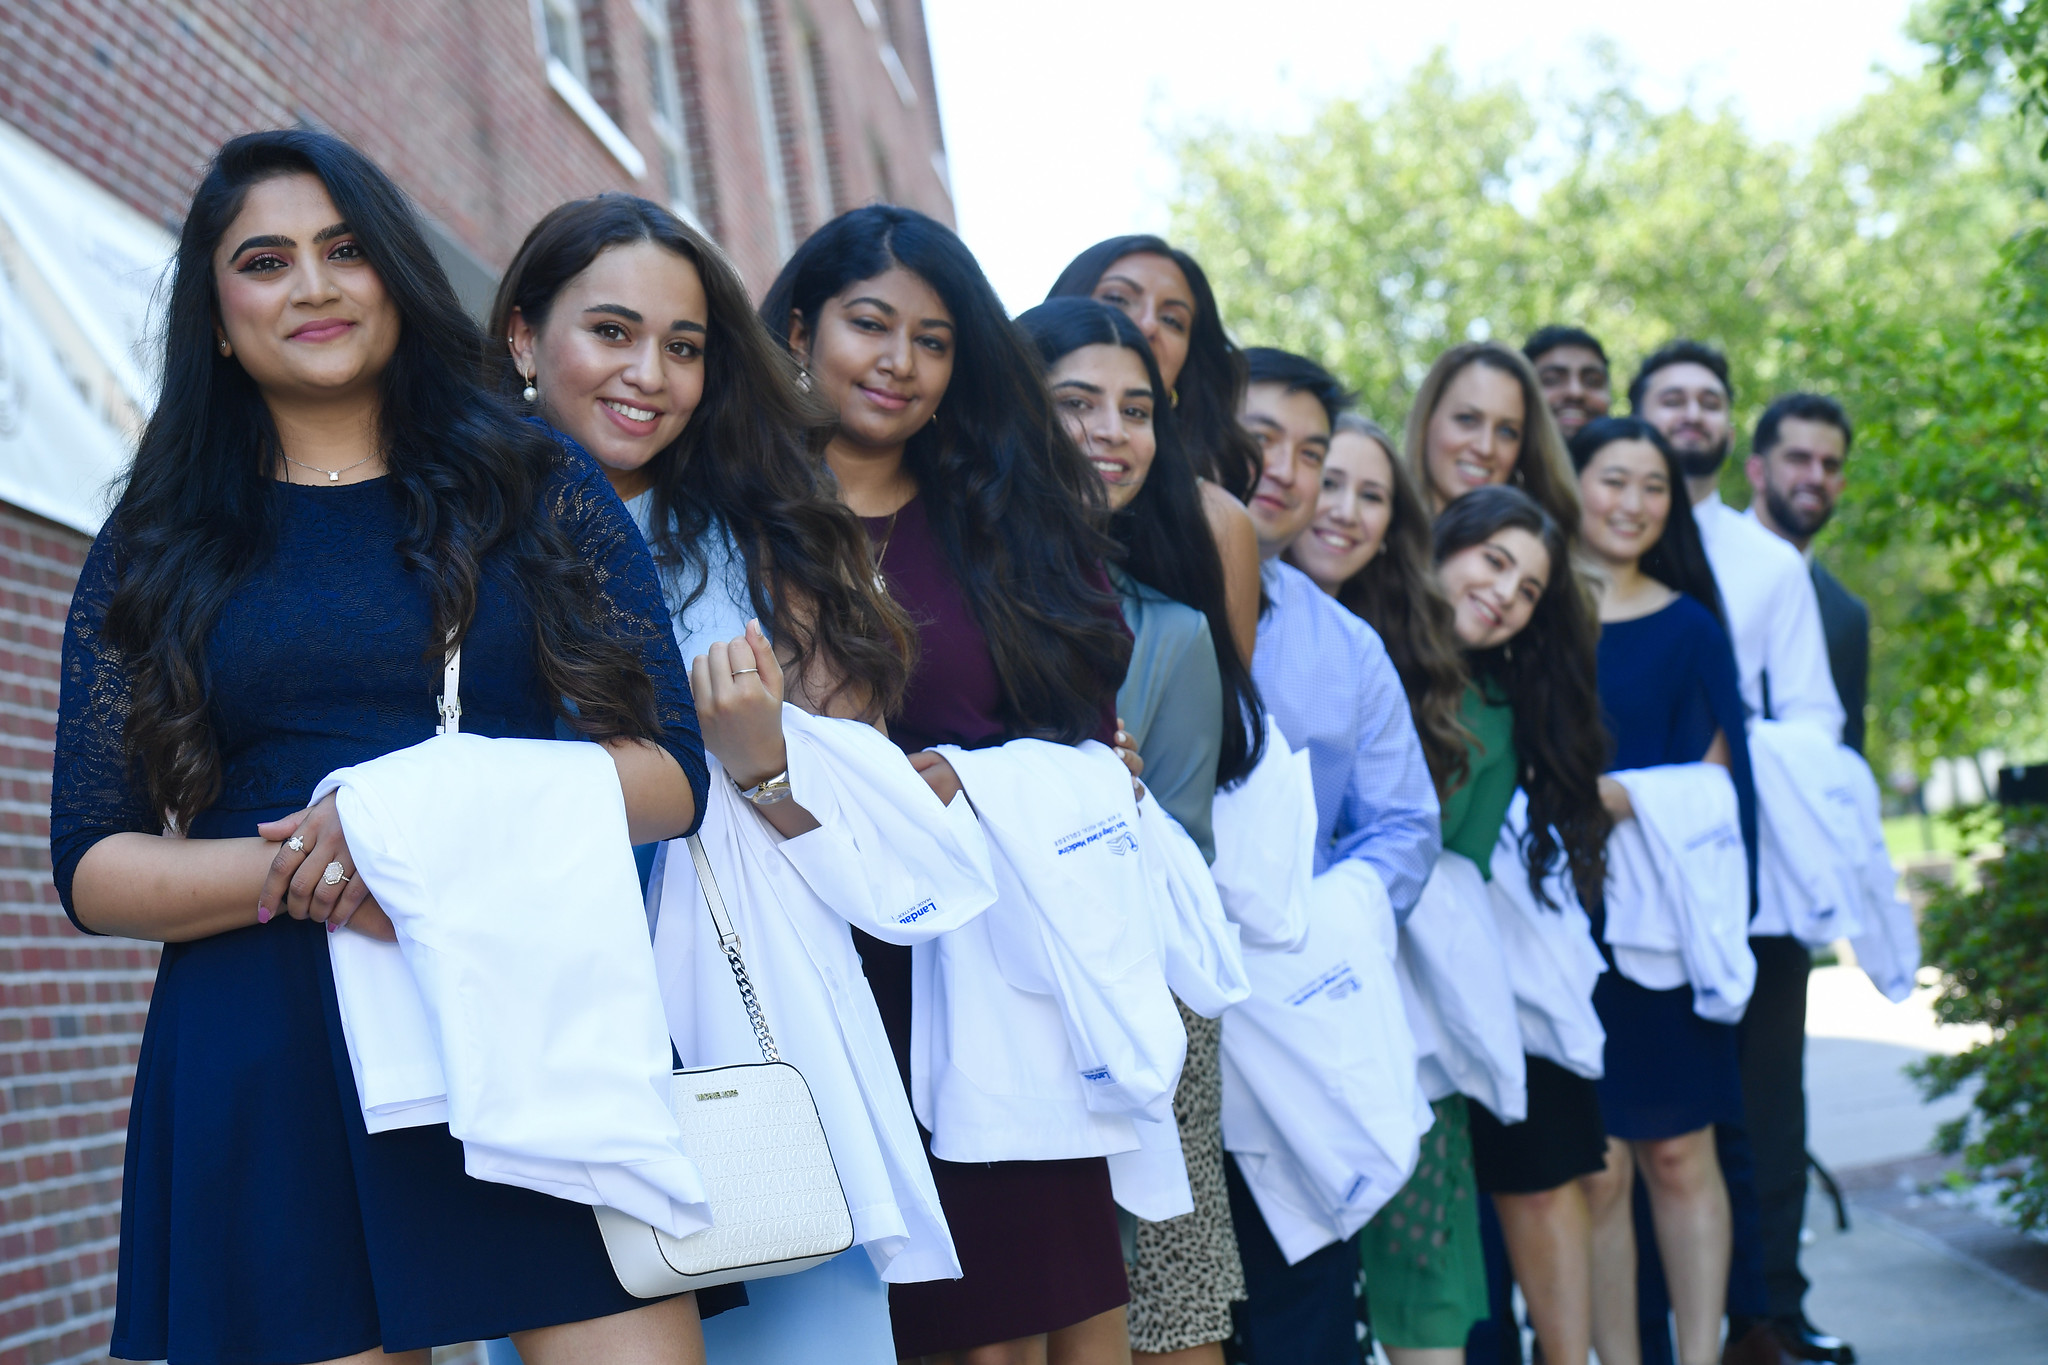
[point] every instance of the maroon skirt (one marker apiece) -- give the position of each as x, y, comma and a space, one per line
1038, 1241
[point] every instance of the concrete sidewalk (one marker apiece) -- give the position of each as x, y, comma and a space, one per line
1917, 1278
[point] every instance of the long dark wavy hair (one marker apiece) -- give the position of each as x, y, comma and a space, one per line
1210, 387
1162, 533
199, 511
1398, 595
1018, 513
1548, 676
1678, 560
750, 457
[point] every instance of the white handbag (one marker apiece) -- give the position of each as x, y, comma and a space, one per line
754, 1133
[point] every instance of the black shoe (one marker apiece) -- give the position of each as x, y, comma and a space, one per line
1803, 1341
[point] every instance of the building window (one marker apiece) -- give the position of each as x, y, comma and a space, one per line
562, 31
771, 128
559, 34
665, 91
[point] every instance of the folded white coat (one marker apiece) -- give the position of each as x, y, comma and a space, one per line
1042, 1028
1321, 1106
1678, 888
1454, 984
1200, 948
1265, 846
882, 878
519, 1004
1205, 969
1553, 963
1822, 855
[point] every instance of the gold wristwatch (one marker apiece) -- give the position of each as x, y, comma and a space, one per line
767, 792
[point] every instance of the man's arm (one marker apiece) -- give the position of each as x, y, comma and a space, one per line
1389, 817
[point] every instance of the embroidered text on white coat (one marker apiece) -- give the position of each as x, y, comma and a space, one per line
1334, 984
918, 911
1112, 832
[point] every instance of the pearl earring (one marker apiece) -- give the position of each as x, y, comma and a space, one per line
529, 393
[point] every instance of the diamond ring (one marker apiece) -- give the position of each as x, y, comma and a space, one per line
296, 843
334, 875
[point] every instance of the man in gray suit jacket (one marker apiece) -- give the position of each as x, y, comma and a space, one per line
1797, 469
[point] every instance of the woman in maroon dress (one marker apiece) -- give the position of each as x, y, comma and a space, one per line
987, 527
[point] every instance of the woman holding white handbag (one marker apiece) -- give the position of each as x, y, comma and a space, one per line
630, 331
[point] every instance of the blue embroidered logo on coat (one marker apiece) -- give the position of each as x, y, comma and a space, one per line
1114, 833
1334, 984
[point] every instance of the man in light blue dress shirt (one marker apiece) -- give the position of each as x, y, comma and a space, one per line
1326, 678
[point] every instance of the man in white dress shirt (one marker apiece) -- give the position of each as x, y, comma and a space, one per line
1781, 658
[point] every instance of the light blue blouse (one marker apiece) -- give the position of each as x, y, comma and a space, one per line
722, 610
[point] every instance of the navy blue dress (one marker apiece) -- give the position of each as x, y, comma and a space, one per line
259, 1221
1667, 683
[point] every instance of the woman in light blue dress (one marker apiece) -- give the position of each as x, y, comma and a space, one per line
631, 332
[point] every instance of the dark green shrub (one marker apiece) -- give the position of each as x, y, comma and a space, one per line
1991, 944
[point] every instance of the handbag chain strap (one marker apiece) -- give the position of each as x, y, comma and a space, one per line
449, 703
729, 940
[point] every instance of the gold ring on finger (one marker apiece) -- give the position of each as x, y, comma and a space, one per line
737, 671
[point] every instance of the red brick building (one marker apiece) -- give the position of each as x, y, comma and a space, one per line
758, 118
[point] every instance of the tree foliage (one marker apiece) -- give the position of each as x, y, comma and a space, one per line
1891, 259
1987, 940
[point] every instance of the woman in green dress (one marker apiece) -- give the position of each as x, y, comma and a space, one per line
1369, 547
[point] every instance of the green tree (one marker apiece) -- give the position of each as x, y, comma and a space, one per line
1400, 223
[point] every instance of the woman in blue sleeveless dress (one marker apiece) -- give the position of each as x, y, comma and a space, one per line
1669, 696
323, 498
636, 337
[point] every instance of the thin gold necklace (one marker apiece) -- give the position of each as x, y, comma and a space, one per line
888, 534
333, 475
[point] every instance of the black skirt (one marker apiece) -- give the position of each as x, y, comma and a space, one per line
1562, 1139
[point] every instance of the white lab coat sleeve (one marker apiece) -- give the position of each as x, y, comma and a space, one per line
1320, 1092
1075, 916
1679, 875
472, 846
1199, 946
888, 856
1266, 846
1454, 980
1553, 963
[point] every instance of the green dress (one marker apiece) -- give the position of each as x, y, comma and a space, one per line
1425, 1275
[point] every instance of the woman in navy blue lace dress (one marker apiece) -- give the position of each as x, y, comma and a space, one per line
323, 497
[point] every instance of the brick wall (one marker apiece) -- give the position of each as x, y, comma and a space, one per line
71, 1007
453, 100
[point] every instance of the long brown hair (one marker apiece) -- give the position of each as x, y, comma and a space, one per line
1398, 595
1542, 468
751, 457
